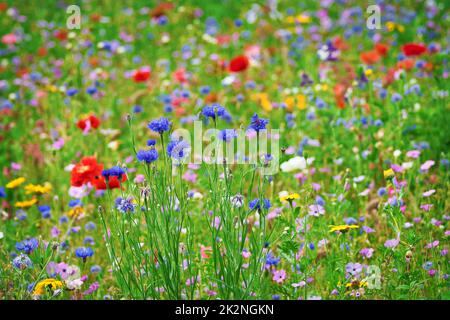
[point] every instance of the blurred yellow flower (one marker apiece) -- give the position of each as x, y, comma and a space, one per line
356, 284
343, 228
388, 173
301, 18
75, 212
290, 197
26, 203
299, 101
50, 283
37, 188
15, 183
263, 99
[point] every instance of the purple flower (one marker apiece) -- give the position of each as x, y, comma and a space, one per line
366, 253
257, 123
427, 165
354, 269
28, 245
315, 210
279, 276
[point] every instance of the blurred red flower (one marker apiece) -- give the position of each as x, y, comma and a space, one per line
141, 75
413, 49
85, 171
239, 63
94, 122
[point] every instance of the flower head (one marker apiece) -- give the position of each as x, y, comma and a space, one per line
148, 156
160, 125
47, 284
257, 123
84, 252
28, 245
343, 228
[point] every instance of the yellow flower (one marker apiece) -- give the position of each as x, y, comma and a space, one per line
263, 99
390, 26
26, 203
37, 188
388, 173
75, 212
290, 197
15, 183
356, 284
368, 72
343, 228
302, 18
299, 101
51, 283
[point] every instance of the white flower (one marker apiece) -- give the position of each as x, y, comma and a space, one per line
74, 284
407, 165
293, 164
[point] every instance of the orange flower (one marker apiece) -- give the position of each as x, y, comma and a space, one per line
370, 57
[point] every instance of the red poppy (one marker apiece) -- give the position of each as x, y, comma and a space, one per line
340, 44
42, 52
239, 63
85, 171
61, 35
370, 57
339, 95
406, 64
161, 9
413, 49
99, 182
382, 49
141, 75
92, 119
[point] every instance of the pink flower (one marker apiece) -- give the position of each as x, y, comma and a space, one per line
190, 176
9, 39
139, 178
427, 165
279, 276
413, 154
428, 193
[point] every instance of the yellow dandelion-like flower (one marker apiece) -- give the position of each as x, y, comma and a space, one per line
303, 19
343, 228
356, 284
15, 183
50, 283
37, 188
26, 203
75, 212
388, 173
290, 197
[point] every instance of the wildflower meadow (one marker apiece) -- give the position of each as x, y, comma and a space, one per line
224, 150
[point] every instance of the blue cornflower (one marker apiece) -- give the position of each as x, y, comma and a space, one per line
214, 111
90, 226
71, 92
205, 90
2, 192
271, 260
148, 156
151, 142
28, 245
22, 262
21, 215
75, 203
227, 134
160, 125
257, 123
45, 211
125, 205
96, 269
137, 109
84, 253
381, 192
255, 204
115, 171
91, 90
396, 97
176, 149
88, 240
